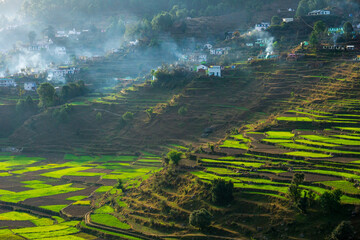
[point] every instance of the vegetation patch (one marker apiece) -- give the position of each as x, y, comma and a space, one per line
109, 220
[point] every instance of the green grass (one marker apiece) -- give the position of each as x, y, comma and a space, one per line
54, 208
51, 234
331, 173
346, 137
281, 135
277, 140
308, 154
240, 138
6, 234
104, 209
267, 194
352, 129
234, 144
16, 216
317, 143
75, 171
345, 186
111, 233
103, 189
43, 222
82, 203
295, 119
331, 140
54, 190
76, 198
223, 171
325, 150
109, 220
239, 163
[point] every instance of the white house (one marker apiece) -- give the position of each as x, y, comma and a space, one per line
60, 51
208, 46
61, 34
59, 74
262, 26
350, 47
220, 51
30, 86
287, 20
319, 12
249, 44
7, 82
214, 71
201, 68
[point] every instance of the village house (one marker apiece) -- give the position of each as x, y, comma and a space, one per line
333, 30
214, 71
319, 12
7, 82
61, 34
249, 44
220, 51
208, 46
60, 51
262, 26
287, 20
41, 45
30, 86
201, 69
59, 74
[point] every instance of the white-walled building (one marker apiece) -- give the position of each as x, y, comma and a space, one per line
214, 71
30, 86
60, 51
201, 68
7, 82
262, 26
287, 20
319, 12
59, 74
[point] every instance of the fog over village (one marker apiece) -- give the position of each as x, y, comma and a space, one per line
179, 119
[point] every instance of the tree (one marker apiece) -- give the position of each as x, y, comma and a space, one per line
343, 231
46, 93
348, 28
26, 105
294, 191
182, 111
119, 184
303, 8
330, 201
319, 27
128, 116
275, 20
174, 157
162, 22
314, 40
200, 218
32, 37
222, 192
49, 32
99, 116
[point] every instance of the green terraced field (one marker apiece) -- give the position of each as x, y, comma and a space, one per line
234, 144
281, 135
109, 220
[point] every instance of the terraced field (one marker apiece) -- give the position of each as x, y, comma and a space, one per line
312, 142
44, 198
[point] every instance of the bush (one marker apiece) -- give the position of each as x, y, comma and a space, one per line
99, 116
174, 157
182, 111
62, 114
200, 218
330, 201
128, 116
222, 192
119, 184
343, 231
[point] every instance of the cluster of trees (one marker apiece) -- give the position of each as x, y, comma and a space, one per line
49, 9
48, 96
329, 201
26, 105
320, 32
171, 78
306, 6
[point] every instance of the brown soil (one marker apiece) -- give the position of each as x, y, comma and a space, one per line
77, 210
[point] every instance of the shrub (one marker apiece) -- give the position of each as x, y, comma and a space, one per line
343, 231
128, 116
182, 111
200, 218
174, 157
330, 201
119, 184
99, 116
222, 192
